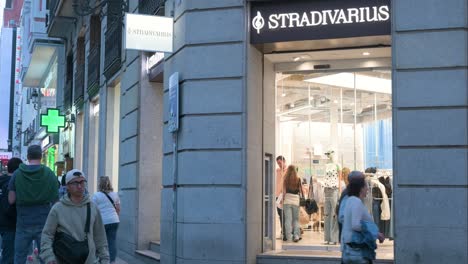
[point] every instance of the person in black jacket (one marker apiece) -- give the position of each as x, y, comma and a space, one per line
8, 214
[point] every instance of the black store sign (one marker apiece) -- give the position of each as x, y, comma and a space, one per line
277, 21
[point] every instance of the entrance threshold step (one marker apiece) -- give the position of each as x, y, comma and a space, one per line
149, 254
155, 246
306, 257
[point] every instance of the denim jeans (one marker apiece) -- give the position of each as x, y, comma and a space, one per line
8, 247
281, 218
23, 242
111, 234
331, 219
353, 256
291, 220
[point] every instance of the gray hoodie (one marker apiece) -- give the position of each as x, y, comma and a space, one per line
65, 216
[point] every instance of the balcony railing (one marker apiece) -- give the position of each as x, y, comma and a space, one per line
150, 7
113, 51
94, 69
79, 83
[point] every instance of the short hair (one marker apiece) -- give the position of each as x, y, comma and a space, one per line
105, 184
280, 158
13, 164
371, 170
355, 185
34, 152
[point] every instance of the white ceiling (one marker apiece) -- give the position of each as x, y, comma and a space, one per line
39, 64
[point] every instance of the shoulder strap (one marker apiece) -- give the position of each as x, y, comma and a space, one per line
110, 199
300, 189
88, 216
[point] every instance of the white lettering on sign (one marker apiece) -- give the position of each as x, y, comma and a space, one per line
5, 155
324, 17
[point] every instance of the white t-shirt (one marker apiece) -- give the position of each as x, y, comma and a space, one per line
331, 175
108, 212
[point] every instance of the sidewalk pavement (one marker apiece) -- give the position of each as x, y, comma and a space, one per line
34, 260
120, 261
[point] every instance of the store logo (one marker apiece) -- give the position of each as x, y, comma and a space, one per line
258, 22
322, 18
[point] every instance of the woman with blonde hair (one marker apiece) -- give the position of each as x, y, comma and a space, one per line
108, 203
291, 192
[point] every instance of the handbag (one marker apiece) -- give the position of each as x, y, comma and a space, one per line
67, 249
311, 206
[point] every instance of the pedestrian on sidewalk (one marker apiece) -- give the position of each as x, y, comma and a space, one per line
68, 218
108, 203
8, 214
34, 189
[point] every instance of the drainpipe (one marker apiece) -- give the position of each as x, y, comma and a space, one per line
175, 138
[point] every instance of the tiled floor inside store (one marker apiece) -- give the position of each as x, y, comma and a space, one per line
312, 242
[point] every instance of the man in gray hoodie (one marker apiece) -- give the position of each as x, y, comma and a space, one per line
69, 216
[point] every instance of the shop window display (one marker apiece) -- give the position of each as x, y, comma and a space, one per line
325, 122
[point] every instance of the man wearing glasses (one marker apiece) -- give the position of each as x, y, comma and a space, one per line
34, 189
69, 216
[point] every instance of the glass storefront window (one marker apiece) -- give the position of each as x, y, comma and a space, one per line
346, 113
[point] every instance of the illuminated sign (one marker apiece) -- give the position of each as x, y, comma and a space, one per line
52, 120
5, 155
319, 19
45, 142
149, 33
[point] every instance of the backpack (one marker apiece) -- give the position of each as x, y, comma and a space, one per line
7, 210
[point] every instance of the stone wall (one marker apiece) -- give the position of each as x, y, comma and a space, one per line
210, 56
430, 100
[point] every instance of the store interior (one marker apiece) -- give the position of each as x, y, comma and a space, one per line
343, 108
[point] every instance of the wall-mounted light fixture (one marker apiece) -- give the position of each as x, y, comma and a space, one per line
36, 98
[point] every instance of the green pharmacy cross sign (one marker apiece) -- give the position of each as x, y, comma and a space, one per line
52, 120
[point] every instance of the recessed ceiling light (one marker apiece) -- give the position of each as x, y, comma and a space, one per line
283, 95
336, 101
366, 53
296, 58
291, 105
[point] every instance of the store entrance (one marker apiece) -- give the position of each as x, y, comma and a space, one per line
333, 115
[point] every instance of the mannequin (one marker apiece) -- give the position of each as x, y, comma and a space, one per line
332, 172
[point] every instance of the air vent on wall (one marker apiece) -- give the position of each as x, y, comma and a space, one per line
321, 66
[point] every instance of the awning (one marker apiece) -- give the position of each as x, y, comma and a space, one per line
41, 60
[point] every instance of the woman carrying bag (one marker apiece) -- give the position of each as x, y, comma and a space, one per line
359, 230
108, 203
291, 188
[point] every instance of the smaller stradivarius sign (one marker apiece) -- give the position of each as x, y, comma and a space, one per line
52, 120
